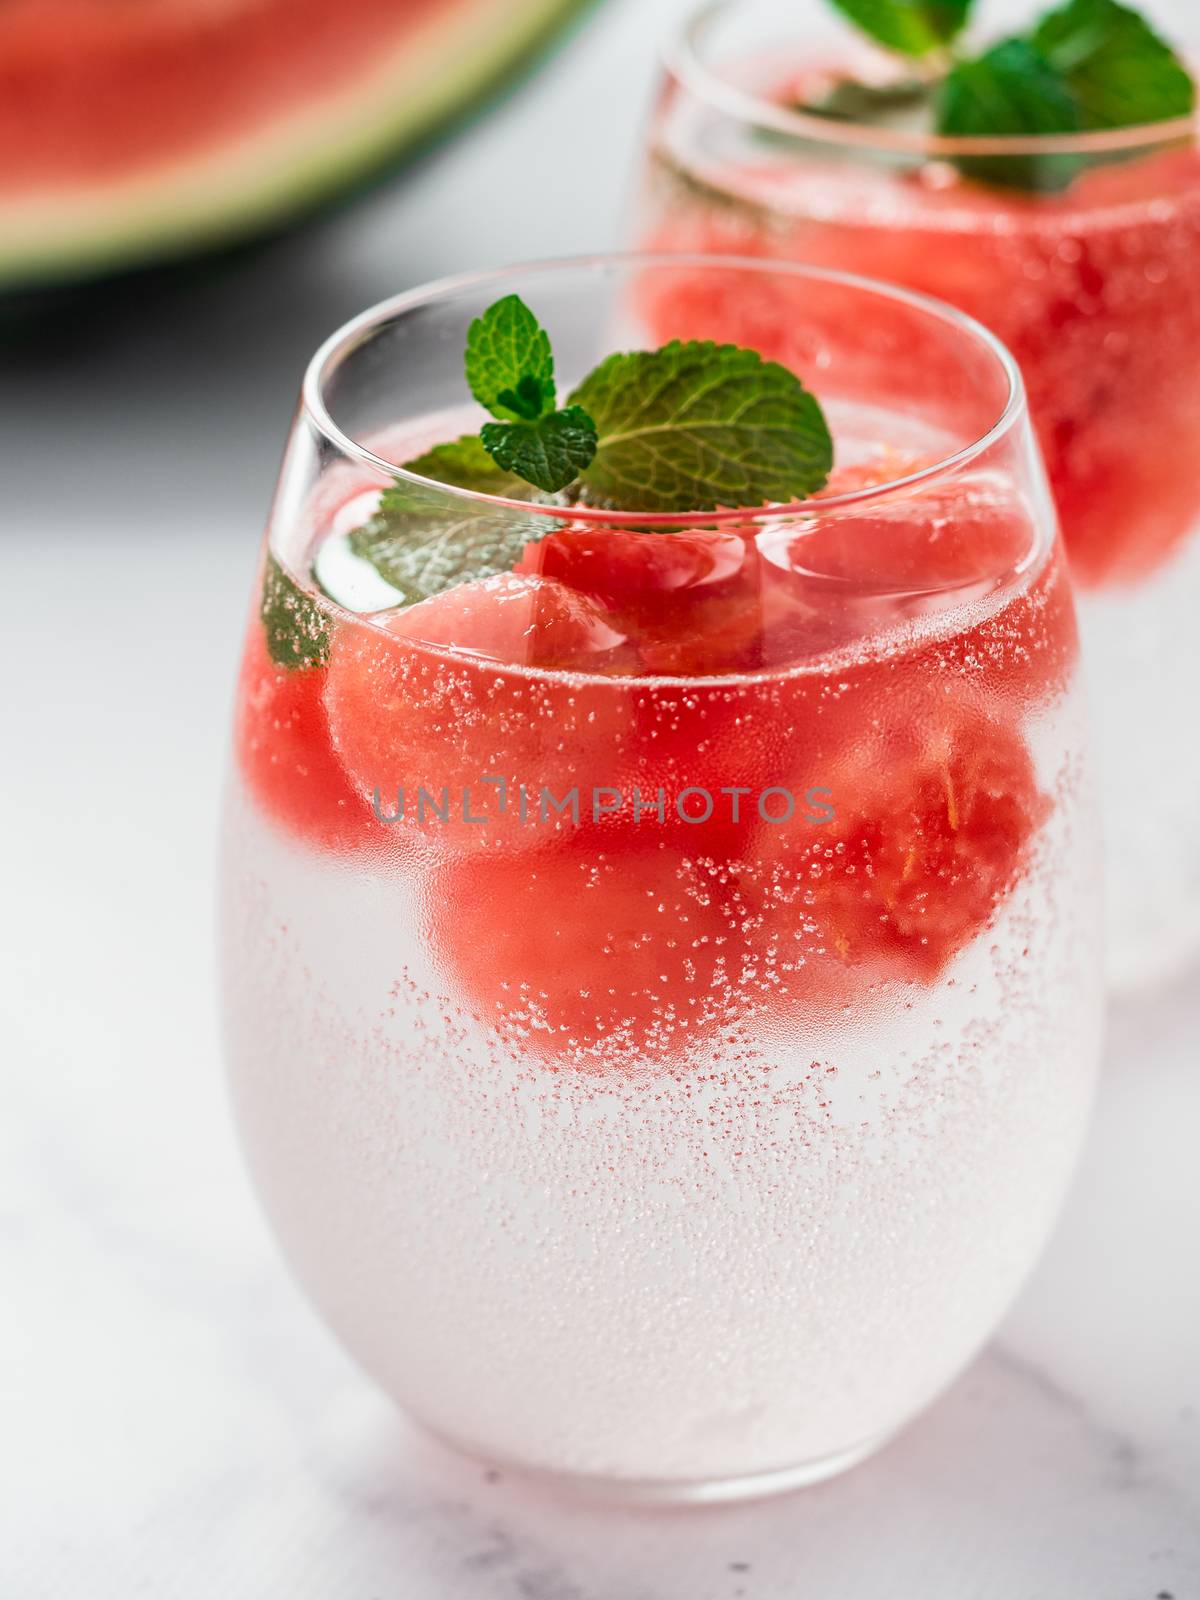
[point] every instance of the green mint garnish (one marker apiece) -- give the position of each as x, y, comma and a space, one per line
293, 623
510, 370
422, 546
1093, 64
686, 428
549, 452
689, 427
1010, 89
1088, 65
510, 366
465, 464
698, 425
1119, 70
849, 100
911, 27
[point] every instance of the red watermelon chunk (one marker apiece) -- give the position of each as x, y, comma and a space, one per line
281, 741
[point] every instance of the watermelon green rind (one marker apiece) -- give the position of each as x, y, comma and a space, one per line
262, 182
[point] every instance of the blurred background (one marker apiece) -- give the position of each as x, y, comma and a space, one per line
175, 1422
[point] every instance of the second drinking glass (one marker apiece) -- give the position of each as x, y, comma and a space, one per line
1090, 280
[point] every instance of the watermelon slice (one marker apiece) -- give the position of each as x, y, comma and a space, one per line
137, 131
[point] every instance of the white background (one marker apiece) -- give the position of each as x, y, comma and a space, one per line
175, 1422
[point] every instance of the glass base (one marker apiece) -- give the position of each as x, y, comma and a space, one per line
675, 1491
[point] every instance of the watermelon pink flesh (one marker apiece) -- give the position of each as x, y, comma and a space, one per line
135, 129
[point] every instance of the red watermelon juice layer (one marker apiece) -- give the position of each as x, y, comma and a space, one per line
812, 875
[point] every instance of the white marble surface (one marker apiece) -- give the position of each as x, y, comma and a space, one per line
175, 1424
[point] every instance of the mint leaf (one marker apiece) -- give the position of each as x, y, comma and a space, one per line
423, 546
293, 623
1092, 64
464, 463
510, 367
689, 427
849, 100
549, 453
1010, 90
698, 425
913, 27
1120, 72
528, 400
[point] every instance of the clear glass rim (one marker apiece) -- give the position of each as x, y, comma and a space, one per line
349, 338
685, 63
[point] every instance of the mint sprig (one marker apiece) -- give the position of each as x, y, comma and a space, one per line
1119, 71
510, 366
1090, 65
510, 371
1010, 89
911, 27
689, 427
1084, 66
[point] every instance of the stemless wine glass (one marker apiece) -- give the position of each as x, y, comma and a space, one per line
662, 978
1091, 282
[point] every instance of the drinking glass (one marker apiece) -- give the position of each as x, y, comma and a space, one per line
1091, 283
662, 978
